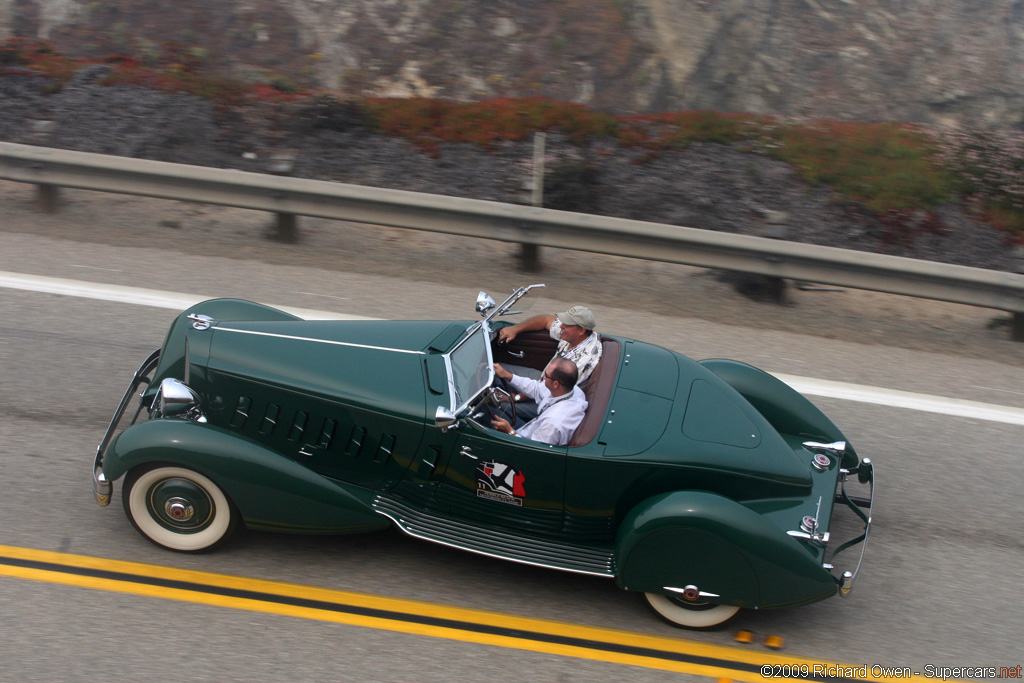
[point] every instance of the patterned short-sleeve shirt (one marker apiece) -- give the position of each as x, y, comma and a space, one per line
585, 355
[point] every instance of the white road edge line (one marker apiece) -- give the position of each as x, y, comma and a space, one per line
805, 385
137, 295
905, 399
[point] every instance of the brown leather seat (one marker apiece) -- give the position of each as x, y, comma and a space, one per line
598, 392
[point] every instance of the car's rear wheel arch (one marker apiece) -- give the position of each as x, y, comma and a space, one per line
687, 540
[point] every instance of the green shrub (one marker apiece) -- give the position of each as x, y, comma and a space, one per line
885, 166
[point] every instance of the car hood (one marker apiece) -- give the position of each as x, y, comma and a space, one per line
378, 365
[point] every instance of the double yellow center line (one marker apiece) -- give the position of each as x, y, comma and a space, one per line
405, 616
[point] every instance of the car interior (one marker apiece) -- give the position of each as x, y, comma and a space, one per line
538, 347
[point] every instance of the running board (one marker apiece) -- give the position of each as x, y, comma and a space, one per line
487, 541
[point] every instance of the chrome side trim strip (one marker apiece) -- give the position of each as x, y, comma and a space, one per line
321, 341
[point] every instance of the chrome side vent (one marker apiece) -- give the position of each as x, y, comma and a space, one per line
385, 449
298, 427
355, 442
270, 419
241, 415
327, 434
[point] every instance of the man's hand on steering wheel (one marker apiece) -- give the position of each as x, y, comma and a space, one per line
505, 395
504, 376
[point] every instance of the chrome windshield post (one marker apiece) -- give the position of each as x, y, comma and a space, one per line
504, 306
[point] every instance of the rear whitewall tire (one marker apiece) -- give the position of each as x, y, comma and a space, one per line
178, 508
696, 615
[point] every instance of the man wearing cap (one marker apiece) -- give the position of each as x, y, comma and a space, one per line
577, 342
574, 330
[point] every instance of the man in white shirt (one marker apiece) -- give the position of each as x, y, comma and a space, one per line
561, 404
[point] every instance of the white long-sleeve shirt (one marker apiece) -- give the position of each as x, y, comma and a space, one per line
557, 416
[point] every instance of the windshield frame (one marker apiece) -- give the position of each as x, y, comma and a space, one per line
481, 331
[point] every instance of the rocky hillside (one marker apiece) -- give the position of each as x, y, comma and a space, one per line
711, 186
912, 60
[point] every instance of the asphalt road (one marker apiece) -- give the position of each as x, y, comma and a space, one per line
939, 585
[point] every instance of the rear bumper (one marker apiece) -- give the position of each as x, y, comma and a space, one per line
865, 473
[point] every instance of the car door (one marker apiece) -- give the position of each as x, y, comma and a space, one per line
509, 481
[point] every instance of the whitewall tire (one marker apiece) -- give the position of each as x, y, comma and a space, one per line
695, 615
178, 508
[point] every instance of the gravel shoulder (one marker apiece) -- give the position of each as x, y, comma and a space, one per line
691, 294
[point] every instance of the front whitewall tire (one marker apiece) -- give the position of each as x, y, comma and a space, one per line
178, 508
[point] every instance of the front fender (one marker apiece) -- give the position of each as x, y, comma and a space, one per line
726, 550
270, 491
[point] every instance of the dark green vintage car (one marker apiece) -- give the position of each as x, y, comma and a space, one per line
707, 487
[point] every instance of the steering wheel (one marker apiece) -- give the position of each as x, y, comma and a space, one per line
506, 389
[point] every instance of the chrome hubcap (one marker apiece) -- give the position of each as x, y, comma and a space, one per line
179, 509
181, 505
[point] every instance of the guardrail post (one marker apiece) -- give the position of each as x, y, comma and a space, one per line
532, 193
1017, 322
529, 258
282, 163
775, 228
47, 196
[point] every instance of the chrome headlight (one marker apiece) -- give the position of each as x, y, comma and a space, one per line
177, 399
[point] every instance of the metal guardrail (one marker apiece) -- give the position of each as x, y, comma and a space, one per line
49, 168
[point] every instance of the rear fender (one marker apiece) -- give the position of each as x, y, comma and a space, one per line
271, 492
785, 408
733, 555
